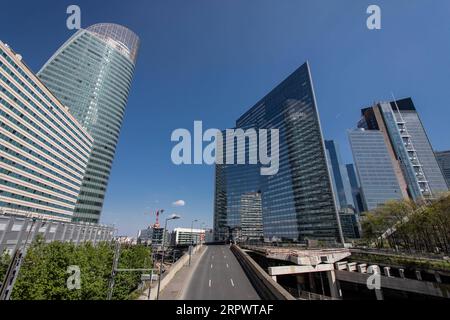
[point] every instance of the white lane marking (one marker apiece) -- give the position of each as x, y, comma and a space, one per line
210, 283
232, 283
211, 266
224, 257
228, 267
212, 257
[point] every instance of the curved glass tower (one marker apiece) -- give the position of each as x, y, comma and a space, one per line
91, 74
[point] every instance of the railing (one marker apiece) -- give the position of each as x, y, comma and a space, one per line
305, 295
314, 296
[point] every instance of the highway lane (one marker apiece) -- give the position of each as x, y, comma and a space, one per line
219, 276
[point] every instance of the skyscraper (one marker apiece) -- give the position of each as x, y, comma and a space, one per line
251, 216
220, 205
342, 191
297, 203
409, 151
443, 159
339, 175
92, 74
405, 112
356, 187
44, 151
375, 169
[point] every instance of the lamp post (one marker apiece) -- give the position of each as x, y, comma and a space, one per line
203, 230
204, 235
173, 217
192, 242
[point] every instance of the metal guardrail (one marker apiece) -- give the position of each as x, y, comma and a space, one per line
15, 230
305, 295
314, 296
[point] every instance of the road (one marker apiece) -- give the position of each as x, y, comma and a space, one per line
219, 276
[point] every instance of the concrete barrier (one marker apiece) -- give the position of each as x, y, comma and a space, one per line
267, 288
184, 260
433, 289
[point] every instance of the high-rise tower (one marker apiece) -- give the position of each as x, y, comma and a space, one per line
297, 203
339, 176
443, 158
406, 148
91, 74
376, 171
44, 151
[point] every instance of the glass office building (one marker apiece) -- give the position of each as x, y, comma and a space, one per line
406, 113
356, 188
339, 175
44, 151
221, 230
373, 163
443, 158
92, 74
297, 204
251, 217
410, 153
343, 192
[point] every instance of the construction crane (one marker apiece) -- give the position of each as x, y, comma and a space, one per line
157, 225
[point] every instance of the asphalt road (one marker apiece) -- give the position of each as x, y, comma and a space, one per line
219, 276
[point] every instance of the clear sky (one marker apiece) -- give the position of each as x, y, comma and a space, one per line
211, 60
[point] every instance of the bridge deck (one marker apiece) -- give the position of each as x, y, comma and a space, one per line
219, 276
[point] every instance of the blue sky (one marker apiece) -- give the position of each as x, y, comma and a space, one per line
211, 60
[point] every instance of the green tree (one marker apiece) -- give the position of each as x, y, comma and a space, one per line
133, 257
5, 259
44, 275
420, 227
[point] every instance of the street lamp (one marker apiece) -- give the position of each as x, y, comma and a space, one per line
172, 217
204, 227
192, 242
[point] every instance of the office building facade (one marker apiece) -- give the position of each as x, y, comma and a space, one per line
251, 217
410, 153
339, 176
406, 113
44, 150
92, 74
373, 163
297, 203
153, 236
351, 226
443, 158
343, 192
356, 187
186, 237
17, 231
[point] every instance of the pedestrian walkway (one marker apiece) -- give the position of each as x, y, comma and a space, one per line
174, 290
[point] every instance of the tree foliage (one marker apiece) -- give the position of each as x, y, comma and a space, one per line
44, 275
5, 259
418, 227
